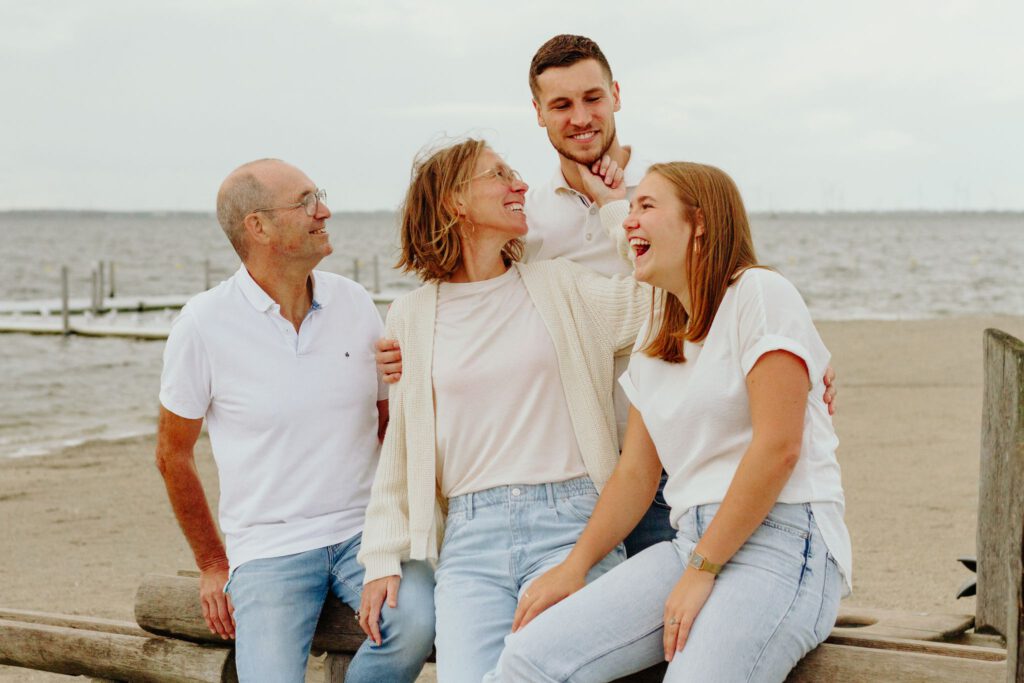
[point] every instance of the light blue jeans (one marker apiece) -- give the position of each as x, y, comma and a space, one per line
496, 542
277, 604
773, 603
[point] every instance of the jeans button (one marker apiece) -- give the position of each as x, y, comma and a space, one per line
516, 492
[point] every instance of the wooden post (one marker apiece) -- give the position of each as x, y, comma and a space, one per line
355, 269
376, 274
94, 299
110, 276
101, 290
1000, 603
206, 274
64, 315
335, 667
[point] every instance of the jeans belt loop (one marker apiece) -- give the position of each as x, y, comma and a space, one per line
469, 505
550, 488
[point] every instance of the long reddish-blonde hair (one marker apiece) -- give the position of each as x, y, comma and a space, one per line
713, 260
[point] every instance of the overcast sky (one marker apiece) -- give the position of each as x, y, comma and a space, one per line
852, 105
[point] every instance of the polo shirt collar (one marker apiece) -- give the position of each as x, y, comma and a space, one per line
635, 171
262, 301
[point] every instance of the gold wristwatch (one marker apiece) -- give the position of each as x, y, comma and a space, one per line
700, 563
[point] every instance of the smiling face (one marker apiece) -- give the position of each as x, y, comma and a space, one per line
492, 201
577, 105
289, 233
659, 234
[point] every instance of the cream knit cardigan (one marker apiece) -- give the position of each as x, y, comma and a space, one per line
589, 318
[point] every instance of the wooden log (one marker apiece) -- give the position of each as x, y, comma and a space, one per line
114, 656
125, 628
1000, 604
864, 658
169, 606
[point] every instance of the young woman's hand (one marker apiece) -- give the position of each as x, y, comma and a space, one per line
682, 607
554, 585
374, 595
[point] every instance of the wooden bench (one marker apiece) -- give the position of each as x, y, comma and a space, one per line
170, 641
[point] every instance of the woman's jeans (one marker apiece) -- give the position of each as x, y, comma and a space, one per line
774, 602
496, 542
277, 604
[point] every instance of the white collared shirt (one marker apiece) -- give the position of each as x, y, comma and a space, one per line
564, 223
292, 416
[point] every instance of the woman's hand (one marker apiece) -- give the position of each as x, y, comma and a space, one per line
603, 180
374, 595
389, 360
682, 607
552, 586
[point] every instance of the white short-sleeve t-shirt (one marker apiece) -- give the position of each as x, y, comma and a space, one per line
698, 412
292, 416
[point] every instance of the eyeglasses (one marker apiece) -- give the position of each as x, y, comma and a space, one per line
503, 173
311, 203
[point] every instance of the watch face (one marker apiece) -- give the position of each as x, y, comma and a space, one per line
696, 561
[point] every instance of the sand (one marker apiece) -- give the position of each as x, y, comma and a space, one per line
79, 529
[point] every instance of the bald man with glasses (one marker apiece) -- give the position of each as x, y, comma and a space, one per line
278, 360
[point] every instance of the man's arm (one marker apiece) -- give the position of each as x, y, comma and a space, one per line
176, 440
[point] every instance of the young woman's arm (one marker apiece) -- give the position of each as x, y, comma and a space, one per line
622, 504
778, 387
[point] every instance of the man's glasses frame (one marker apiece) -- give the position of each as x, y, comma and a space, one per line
311, 203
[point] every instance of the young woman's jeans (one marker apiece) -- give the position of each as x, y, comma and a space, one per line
277, 604
774, 601
496, 542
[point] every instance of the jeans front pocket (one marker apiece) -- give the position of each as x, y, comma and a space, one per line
582, 506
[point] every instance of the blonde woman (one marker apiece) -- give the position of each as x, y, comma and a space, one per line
726, 390
504, 411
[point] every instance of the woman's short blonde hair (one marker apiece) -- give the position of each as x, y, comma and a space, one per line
431, 246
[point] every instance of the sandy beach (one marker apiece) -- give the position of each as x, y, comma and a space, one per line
80, 528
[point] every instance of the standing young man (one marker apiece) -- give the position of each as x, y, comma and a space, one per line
276, 360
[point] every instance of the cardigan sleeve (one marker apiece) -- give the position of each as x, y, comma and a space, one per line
620, 305
386, 539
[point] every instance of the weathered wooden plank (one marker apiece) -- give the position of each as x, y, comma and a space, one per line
114, 656
169, 606
882, 623
335, 667
1001, 497
126, 628
863, 658
829, 662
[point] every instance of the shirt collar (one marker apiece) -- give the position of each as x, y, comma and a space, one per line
262, 301
635, 171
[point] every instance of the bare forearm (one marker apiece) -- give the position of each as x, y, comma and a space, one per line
190, 505
755, 488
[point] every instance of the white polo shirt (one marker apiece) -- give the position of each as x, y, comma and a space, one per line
292, 416
564, 223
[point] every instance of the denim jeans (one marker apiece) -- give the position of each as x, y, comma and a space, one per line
654, 526
496, 542
277, 604
774, 601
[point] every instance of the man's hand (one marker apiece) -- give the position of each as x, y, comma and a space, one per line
603, 181
551, 587
217, 608
830, 389
389, 360
374, 595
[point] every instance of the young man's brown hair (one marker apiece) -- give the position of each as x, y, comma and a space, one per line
565, 50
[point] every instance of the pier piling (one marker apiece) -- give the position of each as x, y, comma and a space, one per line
64, 313
376, 274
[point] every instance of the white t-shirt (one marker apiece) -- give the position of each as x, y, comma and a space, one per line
563, 223
501, 412
698, 412
292, 417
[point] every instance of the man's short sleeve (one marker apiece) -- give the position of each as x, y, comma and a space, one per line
772, 316
185, 384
